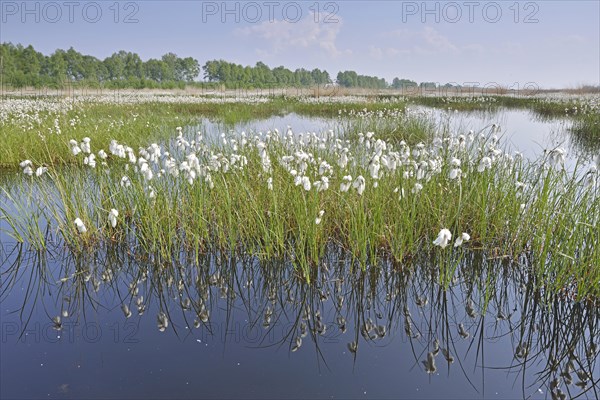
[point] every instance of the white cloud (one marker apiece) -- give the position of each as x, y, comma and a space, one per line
425, 41
511, 48
437, 41
572, 39
473, 48
380, 53
281, 36
376, 52
391, 52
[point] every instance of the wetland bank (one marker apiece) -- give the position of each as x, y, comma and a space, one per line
348, 247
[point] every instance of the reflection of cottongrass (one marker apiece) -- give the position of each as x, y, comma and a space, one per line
462, 331
57, 324
126, 311
429, 364
375, 304
163, 321
353, 347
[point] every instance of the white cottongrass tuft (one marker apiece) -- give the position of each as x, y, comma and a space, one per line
85, 145
125, 182
318, 219
112, 217
41, 171
359, 184
346, 182
90, 161
485, 163
455, 173
556, 156
417, 188
465, 237
322, 185
80, 225
443, 238
27, 167
75, 149
306, 183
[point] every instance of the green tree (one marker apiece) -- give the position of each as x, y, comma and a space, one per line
169, 66
403, 83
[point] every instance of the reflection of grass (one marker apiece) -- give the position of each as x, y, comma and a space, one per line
513, 326
550, 108
585, 114
586, 132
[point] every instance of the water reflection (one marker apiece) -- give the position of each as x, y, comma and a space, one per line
473, 319
524, 130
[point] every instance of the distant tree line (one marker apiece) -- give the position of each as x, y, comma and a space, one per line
403, 83
261, 76
24, 66
351, 79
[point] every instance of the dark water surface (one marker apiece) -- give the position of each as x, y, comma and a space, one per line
233, 326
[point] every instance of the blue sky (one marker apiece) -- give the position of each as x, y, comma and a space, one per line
547, 43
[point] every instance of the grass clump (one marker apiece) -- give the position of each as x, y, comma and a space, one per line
40, 128
392, 125
290, 195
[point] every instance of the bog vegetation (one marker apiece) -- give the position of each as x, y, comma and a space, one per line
386, 185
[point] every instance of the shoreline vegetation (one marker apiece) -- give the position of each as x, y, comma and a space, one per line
387, 184
75, 89
291, 195
38, 127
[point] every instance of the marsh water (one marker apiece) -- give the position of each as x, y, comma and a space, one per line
116, 323
518, 130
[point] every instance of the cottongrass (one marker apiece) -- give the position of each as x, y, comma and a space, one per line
267, 194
